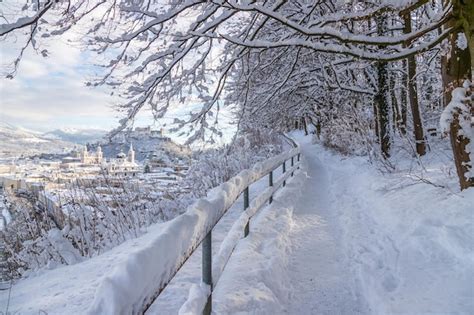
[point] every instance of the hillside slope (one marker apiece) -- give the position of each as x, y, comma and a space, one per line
16, 141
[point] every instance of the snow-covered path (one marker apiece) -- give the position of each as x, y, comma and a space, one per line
319, 271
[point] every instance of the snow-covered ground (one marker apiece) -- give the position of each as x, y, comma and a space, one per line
341, 238
361, 243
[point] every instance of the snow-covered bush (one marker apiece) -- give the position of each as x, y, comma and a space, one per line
459, 106
25, 238
86, 223
347, 126
213, 167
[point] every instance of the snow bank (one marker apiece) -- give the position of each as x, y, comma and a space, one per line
235, 234
197, 299
255, 279
410, 244
135, 282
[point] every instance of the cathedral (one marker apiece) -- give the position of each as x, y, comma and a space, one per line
91, 158
124, 164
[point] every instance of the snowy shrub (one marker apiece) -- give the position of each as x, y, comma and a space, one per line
85, 224
25, 238
213, 167
347, 128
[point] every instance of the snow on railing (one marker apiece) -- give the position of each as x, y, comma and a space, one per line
133, 285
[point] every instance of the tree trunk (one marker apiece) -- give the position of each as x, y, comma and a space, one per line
305, 126
397, 122
381, 99
396, 118
413, 96
318, 129
403, 100
455, 70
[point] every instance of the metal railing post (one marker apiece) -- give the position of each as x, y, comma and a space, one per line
246, 205
284, 171
292, 164
299, 159
270, 183
207, 269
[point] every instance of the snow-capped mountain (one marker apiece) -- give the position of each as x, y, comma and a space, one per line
17, 141
79, 136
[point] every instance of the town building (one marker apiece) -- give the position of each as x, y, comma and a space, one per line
91, 158
123, 164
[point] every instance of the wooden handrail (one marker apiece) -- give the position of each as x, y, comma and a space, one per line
245, 218
198, 222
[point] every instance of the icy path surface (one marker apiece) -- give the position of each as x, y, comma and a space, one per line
319, 271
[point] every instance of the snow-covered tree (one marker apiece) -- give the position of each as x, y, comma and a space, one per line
156, 53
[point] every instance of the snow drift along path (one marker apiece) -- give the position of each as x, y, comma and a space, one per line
319, 271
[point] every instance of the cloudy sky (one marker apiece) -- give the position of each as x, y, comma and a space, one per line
50, 93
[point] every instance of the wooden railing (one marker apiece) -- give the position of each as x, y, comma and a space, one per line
266, 195
184, 234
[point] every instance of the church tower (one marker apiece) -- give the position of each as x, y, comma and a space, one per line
131, 154
84, 156
99, 154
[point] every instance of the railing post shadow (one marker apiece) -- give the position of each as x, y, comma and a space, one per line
246, 205
207, 269
270, 183
284, 171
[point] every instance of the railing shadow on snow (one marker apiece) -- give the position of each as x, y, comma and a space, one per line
133, 285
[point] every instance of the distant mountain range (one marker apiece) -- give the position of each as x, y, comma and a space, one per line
16, 141
79, 136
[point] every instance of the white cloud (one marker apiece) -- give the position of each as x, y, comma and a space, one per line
50, 92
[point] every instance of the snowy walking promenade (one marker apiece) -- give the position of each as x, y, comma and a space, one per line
318, 269
344, 239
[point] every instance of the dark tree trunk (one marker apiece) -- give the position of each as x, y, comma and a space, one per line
318, 129
381, 99
403, 100
395, 108
455, 70
413, 96
305, 126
